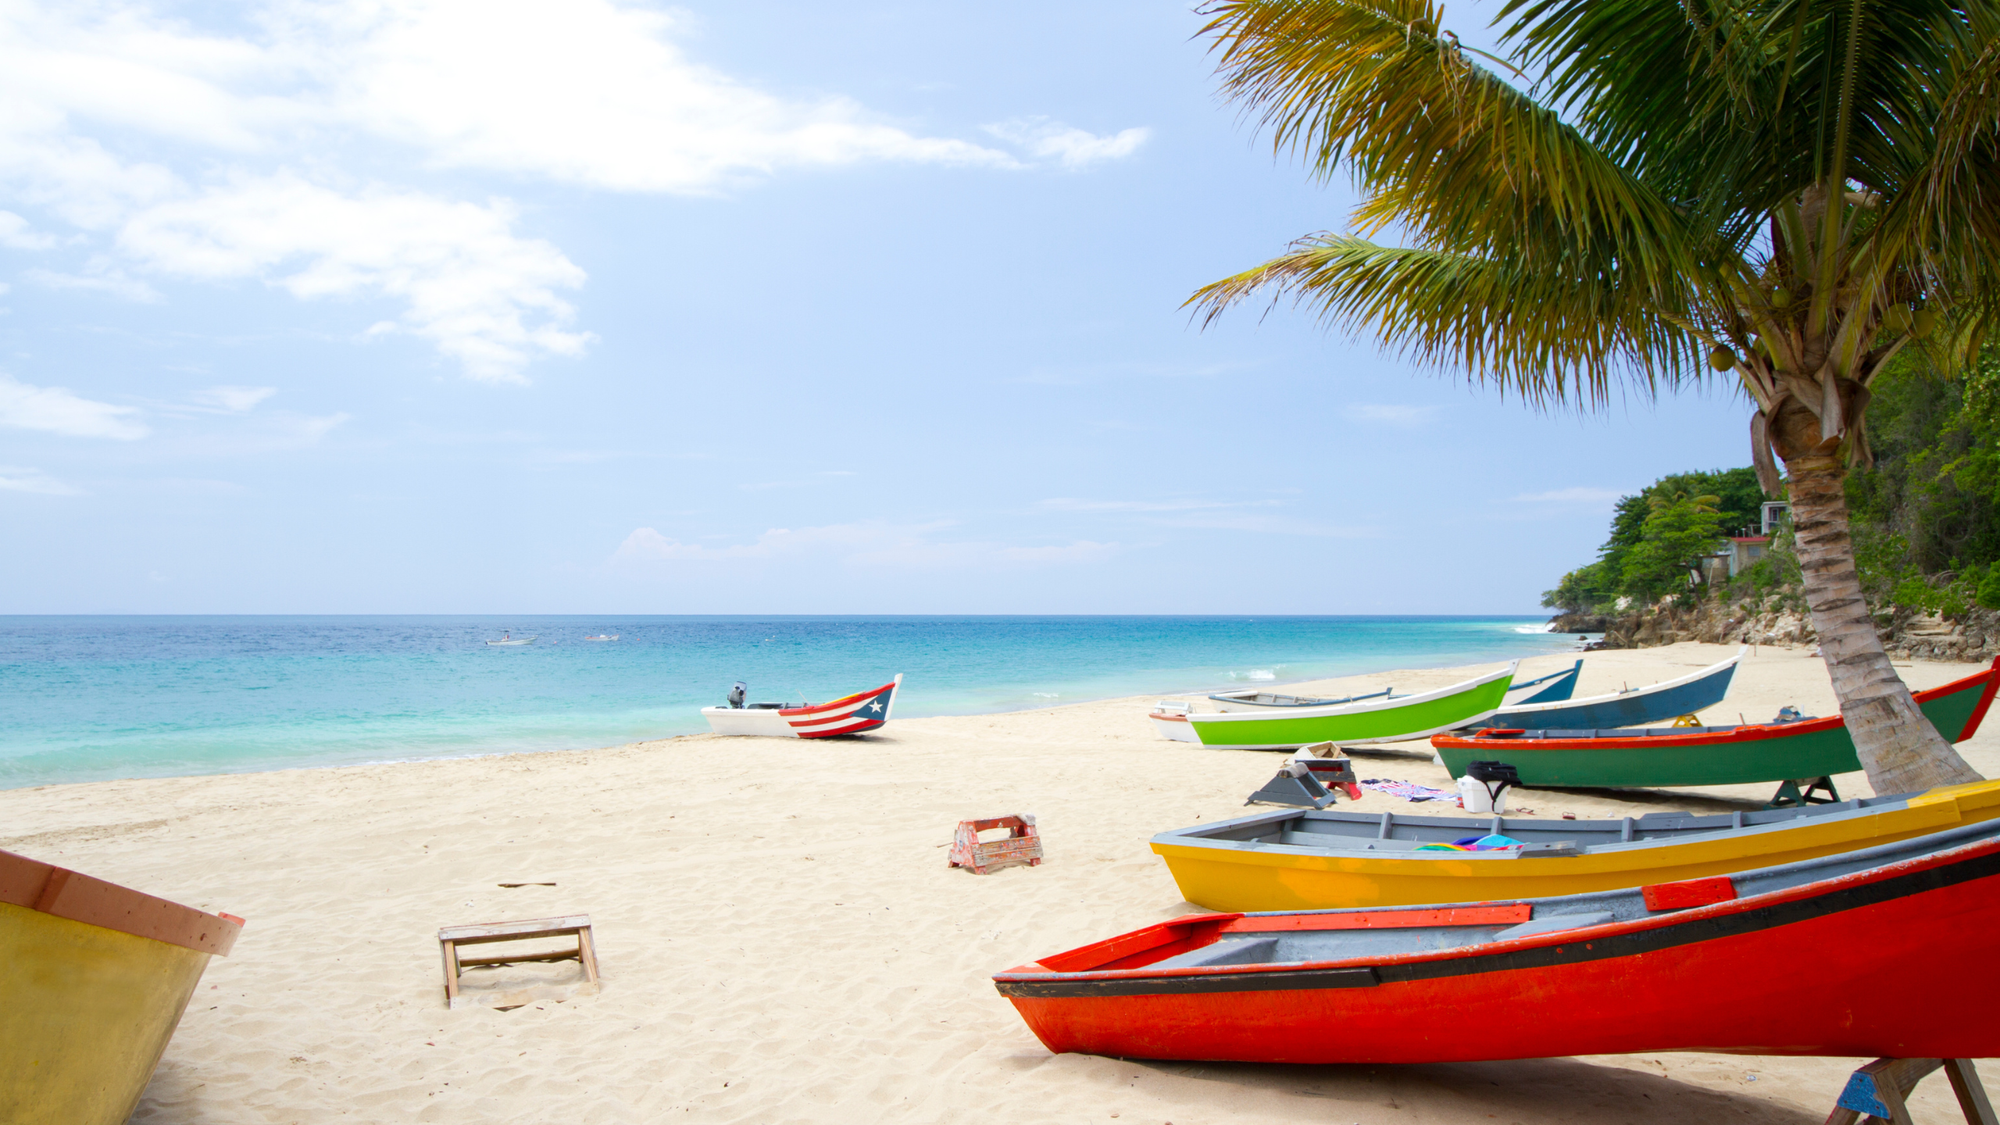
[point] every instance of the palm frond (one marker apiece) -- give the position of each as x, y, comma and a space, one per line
1546, 331
1437, 144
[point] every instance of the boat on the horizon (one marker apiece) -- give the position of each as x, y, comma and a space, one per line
1381, 717
96, 979
850, 714
1631, 707
1797, 959
508, 638
603, 637
1311, 860
1555, 686
1786, 750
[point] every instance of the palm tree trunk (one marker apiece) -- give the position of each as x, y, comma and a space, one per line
1899, 748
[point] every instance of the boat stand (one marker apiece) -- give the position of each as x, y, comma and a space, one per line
1790, 796
1875, 1094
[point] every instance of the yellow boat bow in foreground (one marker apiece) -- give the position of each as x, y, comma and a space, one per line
93, 980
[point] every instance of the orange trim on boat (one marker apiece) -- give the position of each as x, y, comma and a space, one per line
63, 893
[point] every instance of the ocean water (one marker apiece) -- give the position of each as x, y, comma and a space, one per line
89, 698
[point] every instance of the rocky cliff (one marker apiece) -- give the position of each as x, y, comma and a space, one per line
1779, 620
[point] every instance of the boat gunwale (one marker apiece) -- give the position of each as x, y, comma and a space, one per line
814, 708
1742, 733
1812, 815
63, 892
1434, 695
1581, 935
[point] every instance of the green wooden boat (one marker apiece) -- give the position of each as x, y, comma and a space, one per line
1734, 755
1376, 718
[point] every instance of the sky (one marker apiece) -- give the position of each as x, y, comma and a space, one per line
592, 306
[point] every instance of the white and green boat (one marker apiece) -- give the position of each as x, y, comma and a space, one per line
1376, 718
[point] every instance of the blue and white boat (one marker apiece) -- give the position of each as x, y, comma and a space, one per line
1658, 703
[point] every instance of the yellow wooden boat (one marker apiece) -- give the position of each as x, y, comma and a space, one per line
1305, 860
93, 980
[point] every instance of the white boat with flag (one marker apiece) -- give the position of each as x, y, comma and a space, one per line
850, 714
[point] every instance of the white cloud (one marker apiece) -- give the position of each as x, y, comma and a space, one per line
1267, 525
472, 287
1390, 414
310, 430
1069, 504
235, 400
1578, 495
15, 479
57, 411
15, 235
870, 544
584, 91
1072, 147
219, 155
111, 282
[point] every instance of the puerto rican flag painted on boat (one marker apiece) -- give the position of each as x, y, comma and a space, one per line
850, 714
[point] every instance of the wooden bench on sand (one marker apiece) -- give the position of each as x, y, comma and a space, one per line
577, 925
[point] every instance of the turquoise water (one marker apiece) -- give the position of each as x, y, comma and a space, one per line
89, 698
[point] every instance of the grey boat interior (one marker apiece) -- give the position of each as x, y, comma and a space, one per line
1330, 831
1549, 915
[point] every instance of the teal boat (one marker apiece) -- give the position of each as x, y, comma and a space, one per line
1782, 750
1382, 717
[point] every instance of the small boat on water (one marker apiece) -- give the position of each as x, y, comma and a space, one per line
509, 639
1797, 959
93, 980
1657, 703
1382, 717
1554, 686
850, 714
1782, 750
1304, 860
610, 637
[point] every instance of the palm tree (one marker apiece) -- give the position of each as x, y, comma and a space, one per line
1783, 193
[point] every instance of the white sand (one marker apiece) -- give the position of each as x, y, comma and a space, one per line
781, 937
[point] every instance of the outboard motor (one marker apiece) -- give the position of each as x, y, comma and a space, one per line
736, 694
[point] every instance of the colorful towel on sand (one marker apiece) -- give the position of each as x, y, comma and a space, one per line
1408, 790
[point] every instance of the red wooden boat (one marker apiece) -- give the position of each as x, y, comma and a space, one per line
1808, 958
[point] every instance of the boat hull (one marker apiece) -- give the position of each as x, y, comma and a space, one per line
1816, 970
1390, 720
87, 1009
1221, 876
1173, 726
756, 722
1660, 704
850, 714
1756, 753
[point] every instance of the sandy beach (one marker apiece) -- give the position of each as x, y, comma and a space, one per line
781, 938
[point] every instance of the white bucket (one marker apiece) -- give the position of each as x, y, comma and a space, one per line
1474, 797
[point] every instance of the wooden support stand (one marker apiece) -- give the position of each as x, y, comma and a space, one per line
1876, 1093
1799, 793
577, 925
1022, 843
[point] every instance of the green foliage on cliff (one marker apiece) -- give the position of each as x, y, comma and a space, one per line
1926, 518
1656, 536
